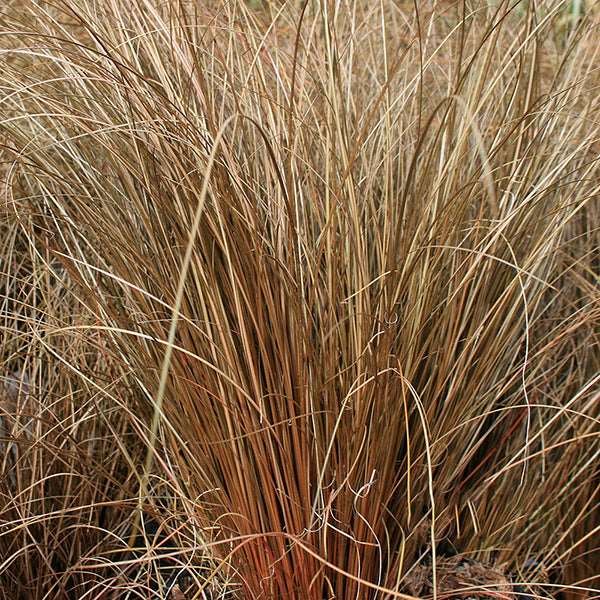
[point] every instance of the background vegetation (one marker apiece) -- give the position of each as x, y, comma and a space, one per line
299, 300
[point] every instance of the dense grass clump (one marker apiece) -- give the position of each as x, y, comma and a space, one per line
299, 299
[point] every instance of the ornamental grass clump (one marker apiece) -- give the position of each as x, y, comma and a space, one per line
332, 269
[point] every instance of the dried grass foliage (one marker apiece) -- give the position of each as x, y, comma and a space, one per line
313, 287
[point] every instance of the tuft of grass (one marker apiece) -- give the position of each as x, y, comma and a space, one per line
70, 443
306, 293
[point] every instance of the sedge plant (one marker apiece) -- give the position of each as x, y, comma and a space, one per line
345, 257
